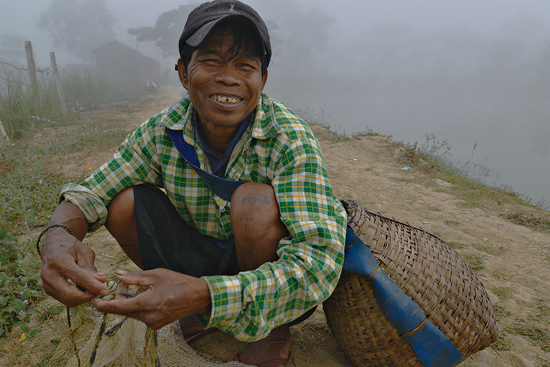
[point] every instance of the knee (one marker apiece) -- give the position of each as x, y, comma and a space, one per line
121, 211
121, 220
254, 209
253, 199
257, 224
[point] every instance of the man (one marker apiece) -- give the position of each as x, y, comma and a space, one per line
249, 264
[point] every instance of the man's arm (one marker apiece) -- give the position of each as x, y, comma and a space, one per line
68, 271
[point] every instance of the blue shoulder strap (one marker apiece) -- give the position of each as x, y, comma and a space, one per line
220, 186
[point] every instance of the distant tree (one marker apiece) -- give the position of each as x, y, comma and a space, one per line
78, 26
166, 32
296, 33
299, 34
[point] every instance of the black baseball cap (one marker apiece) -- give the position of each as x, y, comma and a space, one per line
205, 17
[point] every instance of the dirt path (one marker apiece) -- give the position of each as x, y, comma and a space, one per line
512, 261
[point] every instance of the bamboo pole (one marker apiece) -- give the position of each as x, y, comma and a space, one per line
32, 69
58, 83
3, 134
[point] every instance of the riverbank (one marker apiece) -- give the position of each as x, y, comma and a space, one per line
512, 261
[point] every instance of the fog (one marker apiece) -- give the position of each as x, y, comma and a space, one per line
474, 72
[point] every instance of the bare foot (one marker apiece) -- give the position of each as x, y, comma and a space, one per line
192, 329
276, 346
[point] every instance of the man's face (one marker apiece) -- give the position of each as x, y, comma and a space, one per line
224, 90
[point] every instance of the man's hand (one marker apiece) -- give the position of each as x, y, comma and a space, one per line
68, 271
167, 297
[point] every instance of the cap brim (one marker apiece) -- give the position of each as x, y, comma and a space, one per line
201, 33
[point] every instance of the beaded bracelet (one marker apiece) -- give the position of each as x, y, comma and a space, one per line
47, 229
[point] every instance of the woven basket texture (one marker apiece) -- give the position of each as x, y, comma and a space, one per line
429, 272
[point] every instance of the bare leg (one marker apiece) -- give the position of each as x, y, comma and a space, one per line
258, 229
121, 223
257, 225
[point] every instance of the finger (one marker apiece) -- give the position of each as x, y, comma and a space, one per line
86, 279
64, 291
85, 258
97, 275
136, 277
142, 289
121, 306
121, 290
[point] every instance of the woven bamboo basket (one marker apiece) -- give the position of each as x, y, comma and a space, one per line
429, 272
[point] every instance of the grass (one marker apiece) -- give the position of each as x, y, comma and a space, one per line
22, 109
474, 261
29, 184
468, 183
452, 223
456, 245
502, 344
31, 175
491, 250
538, 221
533, 327
534, 332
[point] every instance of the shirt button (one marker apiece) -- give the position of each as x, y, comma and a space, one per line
223, 210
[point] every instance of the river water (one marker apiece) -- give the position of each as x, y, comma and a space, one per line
509, 130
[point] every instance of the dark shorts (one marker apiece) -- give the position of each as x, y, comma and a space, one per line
166, 241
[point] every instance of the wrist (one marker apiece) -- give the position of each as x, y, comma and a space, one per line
59, 228
205, 299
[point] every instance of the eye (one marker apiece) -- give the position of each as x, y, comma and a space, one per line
211, 62
247, 67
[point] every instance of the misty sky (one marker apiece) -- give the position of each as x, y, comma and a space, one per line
18, 17
487, 17
504, 38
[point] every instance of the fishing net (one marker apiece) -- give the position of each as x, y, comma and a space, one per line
100, 340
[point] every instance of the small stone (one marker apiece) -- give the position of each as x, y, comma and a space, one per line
483, 357
517, 342
516, 359
525, 361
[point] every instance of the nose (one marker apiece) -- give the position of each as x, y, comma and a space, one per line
228, 75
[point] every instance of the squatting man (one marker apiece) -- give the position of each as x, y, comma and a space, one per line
251, 264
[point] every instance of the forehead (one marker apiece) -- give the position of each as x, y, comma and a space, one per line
218, 39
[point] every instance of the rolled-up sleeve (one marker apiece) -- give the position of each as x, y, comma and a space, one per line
134, 162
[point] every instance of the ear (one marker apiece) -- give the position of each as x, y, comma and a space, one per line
182, 73
264, 80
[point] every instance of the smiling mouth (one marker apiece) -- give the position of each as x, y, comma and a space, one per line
225, 99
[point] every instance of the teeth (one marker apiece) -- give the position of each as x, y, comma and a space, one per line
224, 99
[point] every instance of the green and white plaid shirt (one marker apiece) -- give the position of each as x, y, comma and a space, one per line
278, 149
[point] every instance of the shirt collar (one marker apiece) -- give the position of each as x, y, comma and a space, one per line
219, 164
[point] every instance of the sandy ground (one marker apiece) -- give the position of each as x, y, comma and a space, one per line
515, 259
